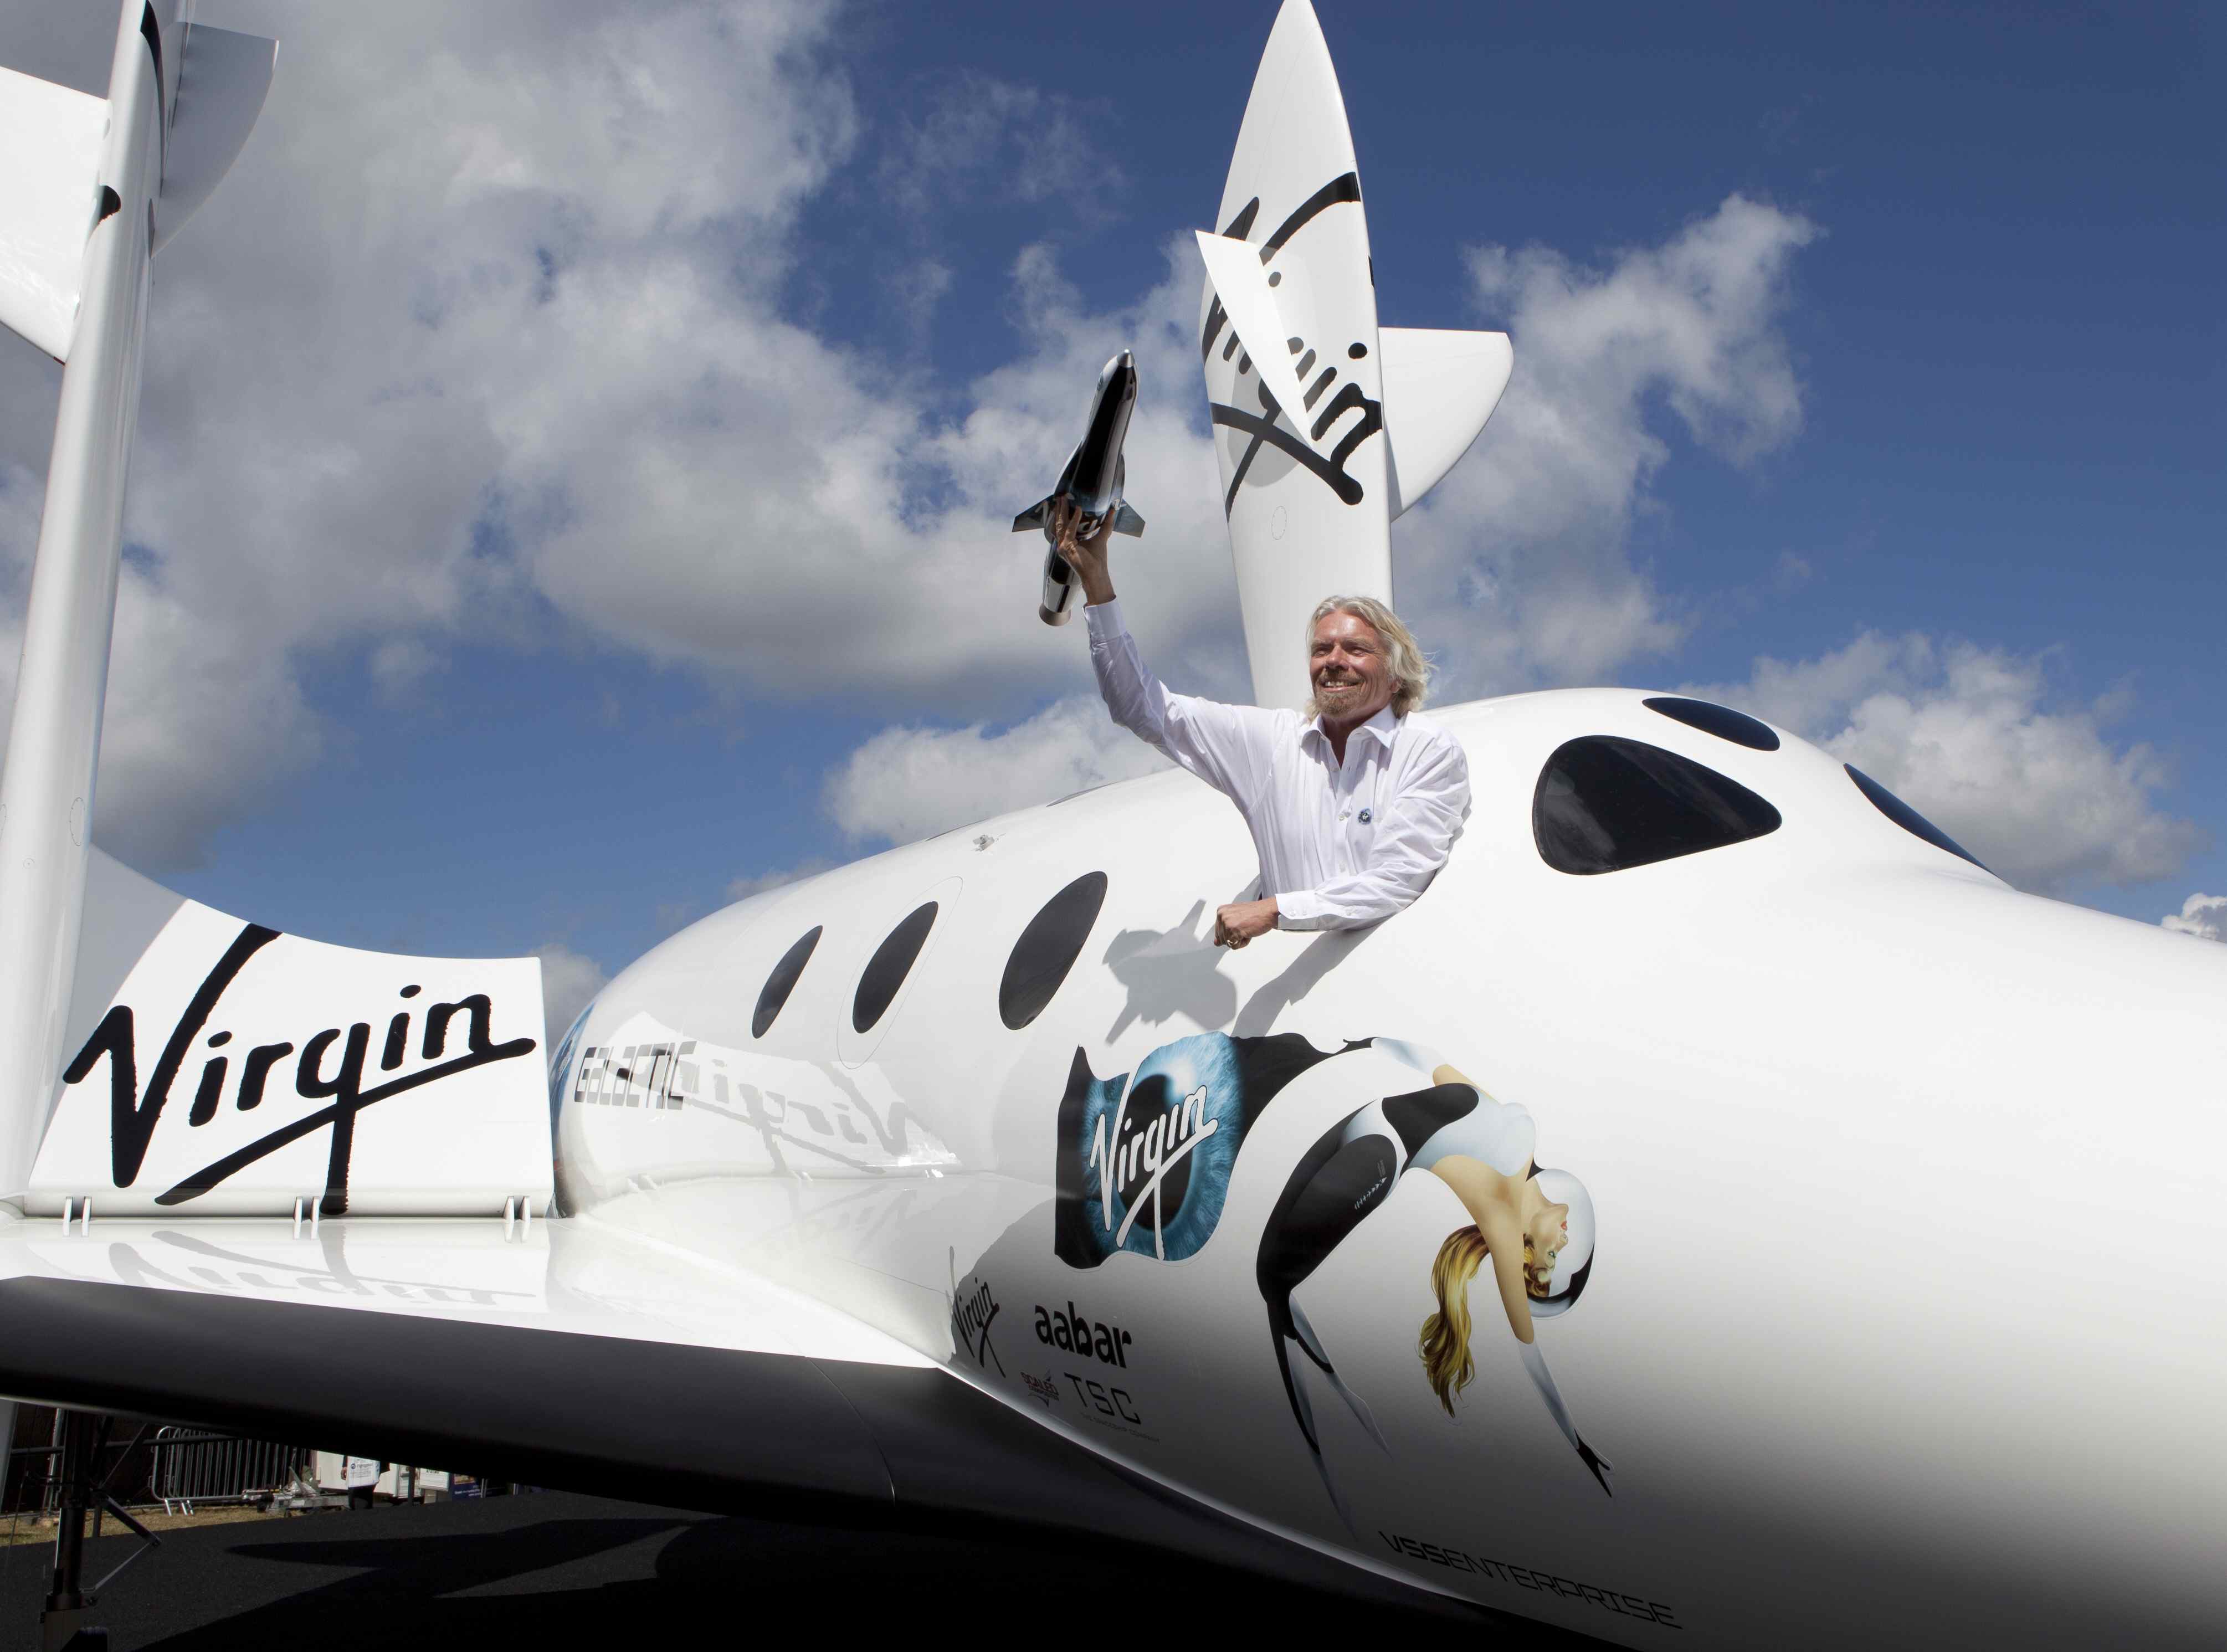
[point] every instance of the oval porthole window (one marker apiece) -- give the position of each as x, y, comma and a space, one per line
1605, 804
1908, 818
1048, 949
782, 981
886, 970
1721, 720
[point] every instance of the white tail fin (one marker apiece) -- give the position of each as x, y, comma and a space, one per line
1440, 388
222, 1068
221, 84
1300, 380
53, 140
88, 306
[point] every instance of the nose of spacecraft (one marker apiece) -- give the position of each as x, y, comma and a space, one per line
1117, 391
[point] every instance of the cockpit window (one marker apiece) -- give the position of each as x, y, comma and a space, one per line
891, 962
1048, 949
1908, 818
1721, 720
1605, 804
779, 984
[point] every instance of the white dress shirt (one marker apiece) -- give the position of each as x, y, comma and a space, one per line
1340, 844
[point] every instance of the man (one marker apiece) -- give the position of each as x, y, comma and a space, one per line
1353, 804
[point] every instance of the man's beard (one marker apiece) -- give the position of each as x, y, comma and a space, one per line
1337, 699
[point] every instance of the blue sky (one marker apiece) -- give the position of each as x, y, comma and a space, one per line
493, 589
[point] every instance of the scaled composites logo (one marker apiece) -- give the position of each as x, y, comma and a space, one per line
250, 1020
1144, 1158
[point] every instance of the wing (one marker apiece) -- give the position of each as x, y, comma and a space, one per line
386, 1277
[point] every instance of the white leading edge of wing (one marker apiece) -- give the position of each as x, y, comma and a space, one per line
582, 1277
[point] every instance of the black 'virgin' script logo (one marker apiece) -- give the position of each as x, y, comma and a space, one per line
133, 1115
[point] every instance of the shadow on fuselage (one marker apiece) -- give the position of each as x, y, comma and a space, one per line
1170, 972
1178, 972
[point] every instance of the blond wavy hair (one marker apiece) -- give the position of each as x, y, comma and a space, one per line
1410, 666
1444, 1343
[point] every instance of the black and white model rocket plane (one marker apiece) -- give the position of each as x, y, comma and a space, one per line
1092, 482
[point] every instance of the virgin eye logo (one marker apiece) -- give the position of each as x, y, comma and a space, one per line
1144, 1164
1145, 1157
317, 1074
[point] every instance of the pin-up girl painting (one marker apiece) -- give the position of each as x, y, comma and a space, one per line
1533, 1227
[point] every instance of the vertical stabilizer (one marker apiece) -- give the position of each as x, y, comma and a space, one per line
1298, 411
54, 742
1327, 427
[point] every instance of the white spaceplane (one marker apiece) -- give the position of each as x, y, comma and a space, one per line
1719, 1213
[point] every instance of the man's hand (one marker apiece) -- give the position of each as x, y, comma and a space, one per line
1235, 924
1085, 556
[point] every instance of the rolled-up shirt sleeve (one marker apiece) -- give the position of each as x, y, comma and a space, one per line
1222, 744
1415, 832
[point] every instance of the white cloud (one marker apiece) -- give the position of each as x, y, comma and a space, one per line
1968, 736
984, 139
489, 323
569, 981
907, 783
2202, 916
1521, 556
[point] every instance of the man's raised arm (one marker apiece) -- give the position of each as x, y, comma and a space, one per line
1222, 744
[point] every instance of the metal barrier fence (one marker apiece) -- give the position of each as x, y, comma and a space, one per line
193, 1466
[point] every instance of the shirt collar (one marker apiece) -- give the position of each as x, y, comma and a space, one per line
1383, 725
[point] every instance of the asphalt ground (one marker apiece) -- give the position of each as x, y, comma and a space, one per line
557, 1569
